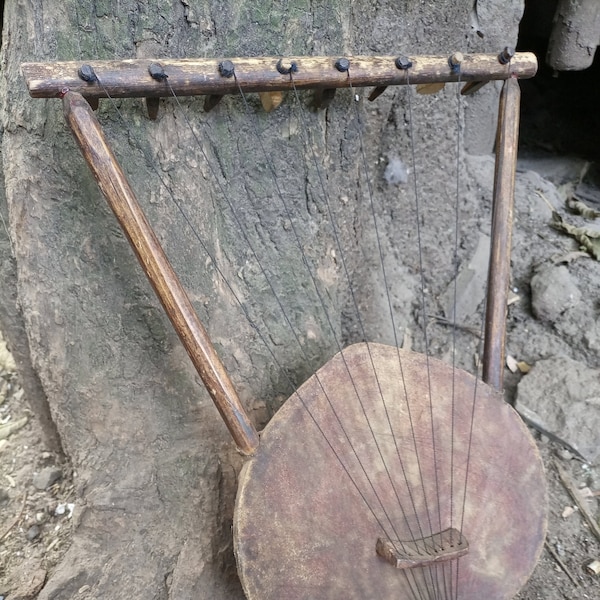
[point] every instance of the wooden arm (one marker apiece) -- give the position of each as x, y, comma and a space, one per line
122, 200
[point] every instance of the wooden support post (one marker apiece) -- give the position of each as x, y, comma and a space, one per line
502, 215
122, 200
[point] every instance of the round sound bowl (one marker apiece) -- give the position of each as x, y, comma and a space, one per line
331, 474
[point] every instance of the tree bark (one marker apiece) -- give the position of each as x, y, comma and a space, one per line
156, 469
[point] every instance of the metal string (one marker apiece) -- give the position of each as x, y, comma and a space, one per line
263, 339
328, 318
471, 429
305, 260
306, 263
454, 303
435, 582
422, 290
333, 220
423, 308
389, 303
472, 418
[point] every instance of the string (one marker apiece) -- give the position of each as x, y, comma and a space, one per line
472, 419
423, 307
388, 298
326, 312
277, 362
305, 260
334, 227
473, 409
335, 230
471, 429
386, 285
309, 270
454, 304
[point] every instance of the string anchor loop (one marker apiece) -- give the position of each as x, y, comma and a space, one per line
226, 69
342, 65
455, 61
403, 63
506, 55
87, 73
287, 68
157, 72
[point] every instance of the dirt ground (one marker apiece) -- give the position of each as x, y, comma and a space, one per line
35, 524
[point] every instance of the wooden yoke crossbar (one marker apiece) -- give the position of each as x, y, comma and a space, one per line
191, 77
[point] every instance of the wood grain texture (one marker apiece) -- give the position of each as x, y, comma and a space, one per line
502, 217
122, 200
189, 77
303, 531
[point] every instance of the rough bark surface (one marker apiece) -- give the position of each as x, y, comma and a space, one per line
155, 468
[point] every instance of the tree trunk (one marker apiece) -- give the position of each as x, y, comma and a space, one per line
155, 467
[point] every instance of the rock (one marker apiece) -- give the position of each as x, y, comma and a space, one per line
12, 426
567, 394
574, 37
470, 285
33, 533
30, 585
564, 454
553, 291
7, 362
46, 477
62, 509
555, 169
